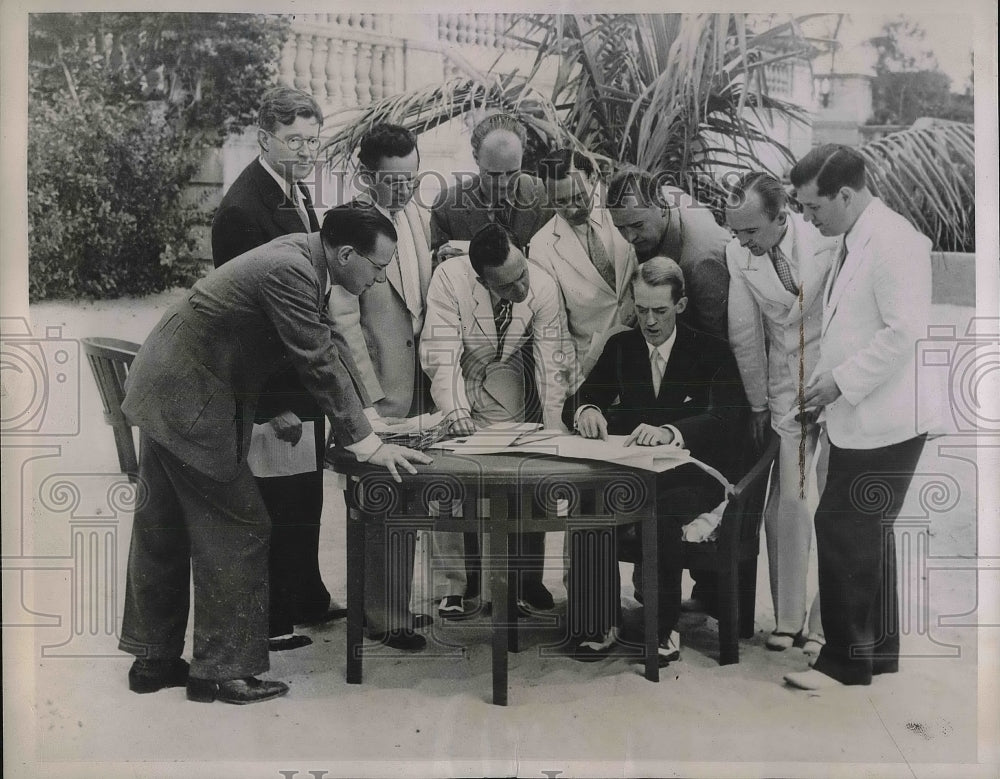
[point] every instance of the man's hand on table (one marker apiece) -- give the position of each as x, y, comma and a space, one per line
462, 424
649, 435
393, 456
287, 427
592, 424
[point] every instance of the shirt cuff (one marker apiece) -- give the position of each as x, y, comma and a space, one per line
576, 416
678, 438
365, 448
371, 414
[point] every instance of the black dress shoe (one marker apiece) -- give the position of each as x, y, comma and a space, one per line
335, 612
421, 621
284, 644
536, 596
400, 639
151, 675
238, 691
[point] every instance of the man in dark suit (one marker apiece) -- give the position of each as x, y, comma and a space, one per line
192, 391
268, 200
662, 384
500, 194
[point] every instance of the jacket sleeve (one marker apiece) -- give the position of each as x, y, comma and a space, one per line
344, 312
600, 388
901, 282
441, 231
235, 230
441, 346
708, 290
553, 352
746, 333
710, 435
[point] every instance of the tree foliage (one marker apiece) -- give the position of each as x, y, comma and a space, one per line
121, 108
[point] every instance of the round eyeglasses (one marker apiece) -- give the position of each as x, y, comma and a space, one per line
296, 142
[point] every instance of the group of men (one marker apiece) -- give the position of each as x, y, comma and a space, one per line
518, 298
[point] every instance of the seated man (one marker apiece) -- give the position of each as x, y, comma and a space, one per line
481, 309
674, 386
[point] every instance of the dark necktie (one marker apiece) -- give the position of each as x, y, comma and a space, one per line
836, 270
502, 318
783, 269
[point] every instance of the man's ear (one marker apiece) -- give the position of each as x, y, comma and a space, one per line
847, 194
344, 255
681, 304
366, 176
262, 138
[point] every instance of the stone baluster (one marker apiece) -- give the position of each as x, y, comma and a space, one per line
334, 68
286, 67
348, 73
303, 58
390, 84
378, 72
318, 81
363, 73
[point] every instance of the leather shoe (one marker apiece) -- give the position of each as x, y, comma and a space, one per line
333, 613
239, 691
592, 650
284, 644
811, 680
669, 649
400, 639
536, 596
779, 641
147, 675
421, 621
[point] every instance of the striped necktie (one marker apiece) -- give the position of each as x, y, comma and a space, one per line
502, 318
599, 256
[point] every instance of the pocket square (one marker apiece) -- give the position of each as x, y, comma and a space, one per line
688, 399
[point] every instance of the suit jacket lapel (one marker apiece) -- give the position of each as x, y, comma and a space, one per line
568, 246
856, 257
283, 211
482, 309
310, 211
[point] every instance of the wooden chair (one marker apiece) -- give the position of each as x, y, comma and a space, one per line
110, 360
732, 556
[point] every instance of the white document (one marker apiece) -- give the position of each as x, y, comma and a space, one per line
269, 456
419, 424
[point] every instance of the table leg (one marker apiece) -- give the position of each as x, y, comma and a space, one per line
356, 522
499, 578
651, 596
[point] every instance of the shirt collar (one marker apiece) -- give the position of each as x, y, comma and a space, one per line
665, 348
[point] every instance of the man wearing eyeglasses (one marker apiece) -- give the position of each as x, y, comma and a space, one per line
266, 201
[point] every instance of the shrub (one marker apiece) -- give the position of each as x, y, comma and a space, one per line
105, 216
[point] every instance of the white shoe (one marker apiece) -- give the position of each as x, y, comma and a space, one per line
811, 680
813, 645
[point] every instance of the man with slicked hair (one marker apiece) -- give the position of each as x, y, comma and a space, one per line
192, 391
876, 305
778, 266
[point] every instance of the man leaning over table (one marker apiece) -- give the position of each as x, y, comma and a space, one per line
382, 330
778, 266
662, 384
481, 309
192, 392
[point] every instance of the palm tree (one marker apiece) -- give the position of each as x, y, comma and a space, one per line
682, 93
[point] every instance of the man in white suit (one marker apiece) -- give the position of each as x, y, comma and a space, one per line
481, 309
778, 266
382, 330
877, 304
585, 255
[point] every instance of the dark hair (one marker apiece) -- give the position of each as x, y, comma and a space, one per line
561, 163
630, 182
497, 122
357, 226
832, 166
282, 105
661, 271
489, 248
773, 197
386, 140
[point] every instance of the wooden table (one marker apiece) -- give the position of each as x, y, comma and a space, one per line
522, 491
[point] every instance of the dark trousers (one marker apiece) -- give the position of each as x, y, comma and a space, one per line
189, 523
594, 581
856, 548
295, 505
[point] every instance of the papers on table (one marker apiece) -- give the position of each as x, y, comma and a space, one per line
419, 424
529, 439
269, 456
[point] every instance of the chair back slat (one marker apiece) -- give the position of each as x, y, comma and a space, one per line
110, 360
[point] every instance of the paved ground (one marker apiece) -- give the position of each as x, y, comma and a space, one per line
68, 711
